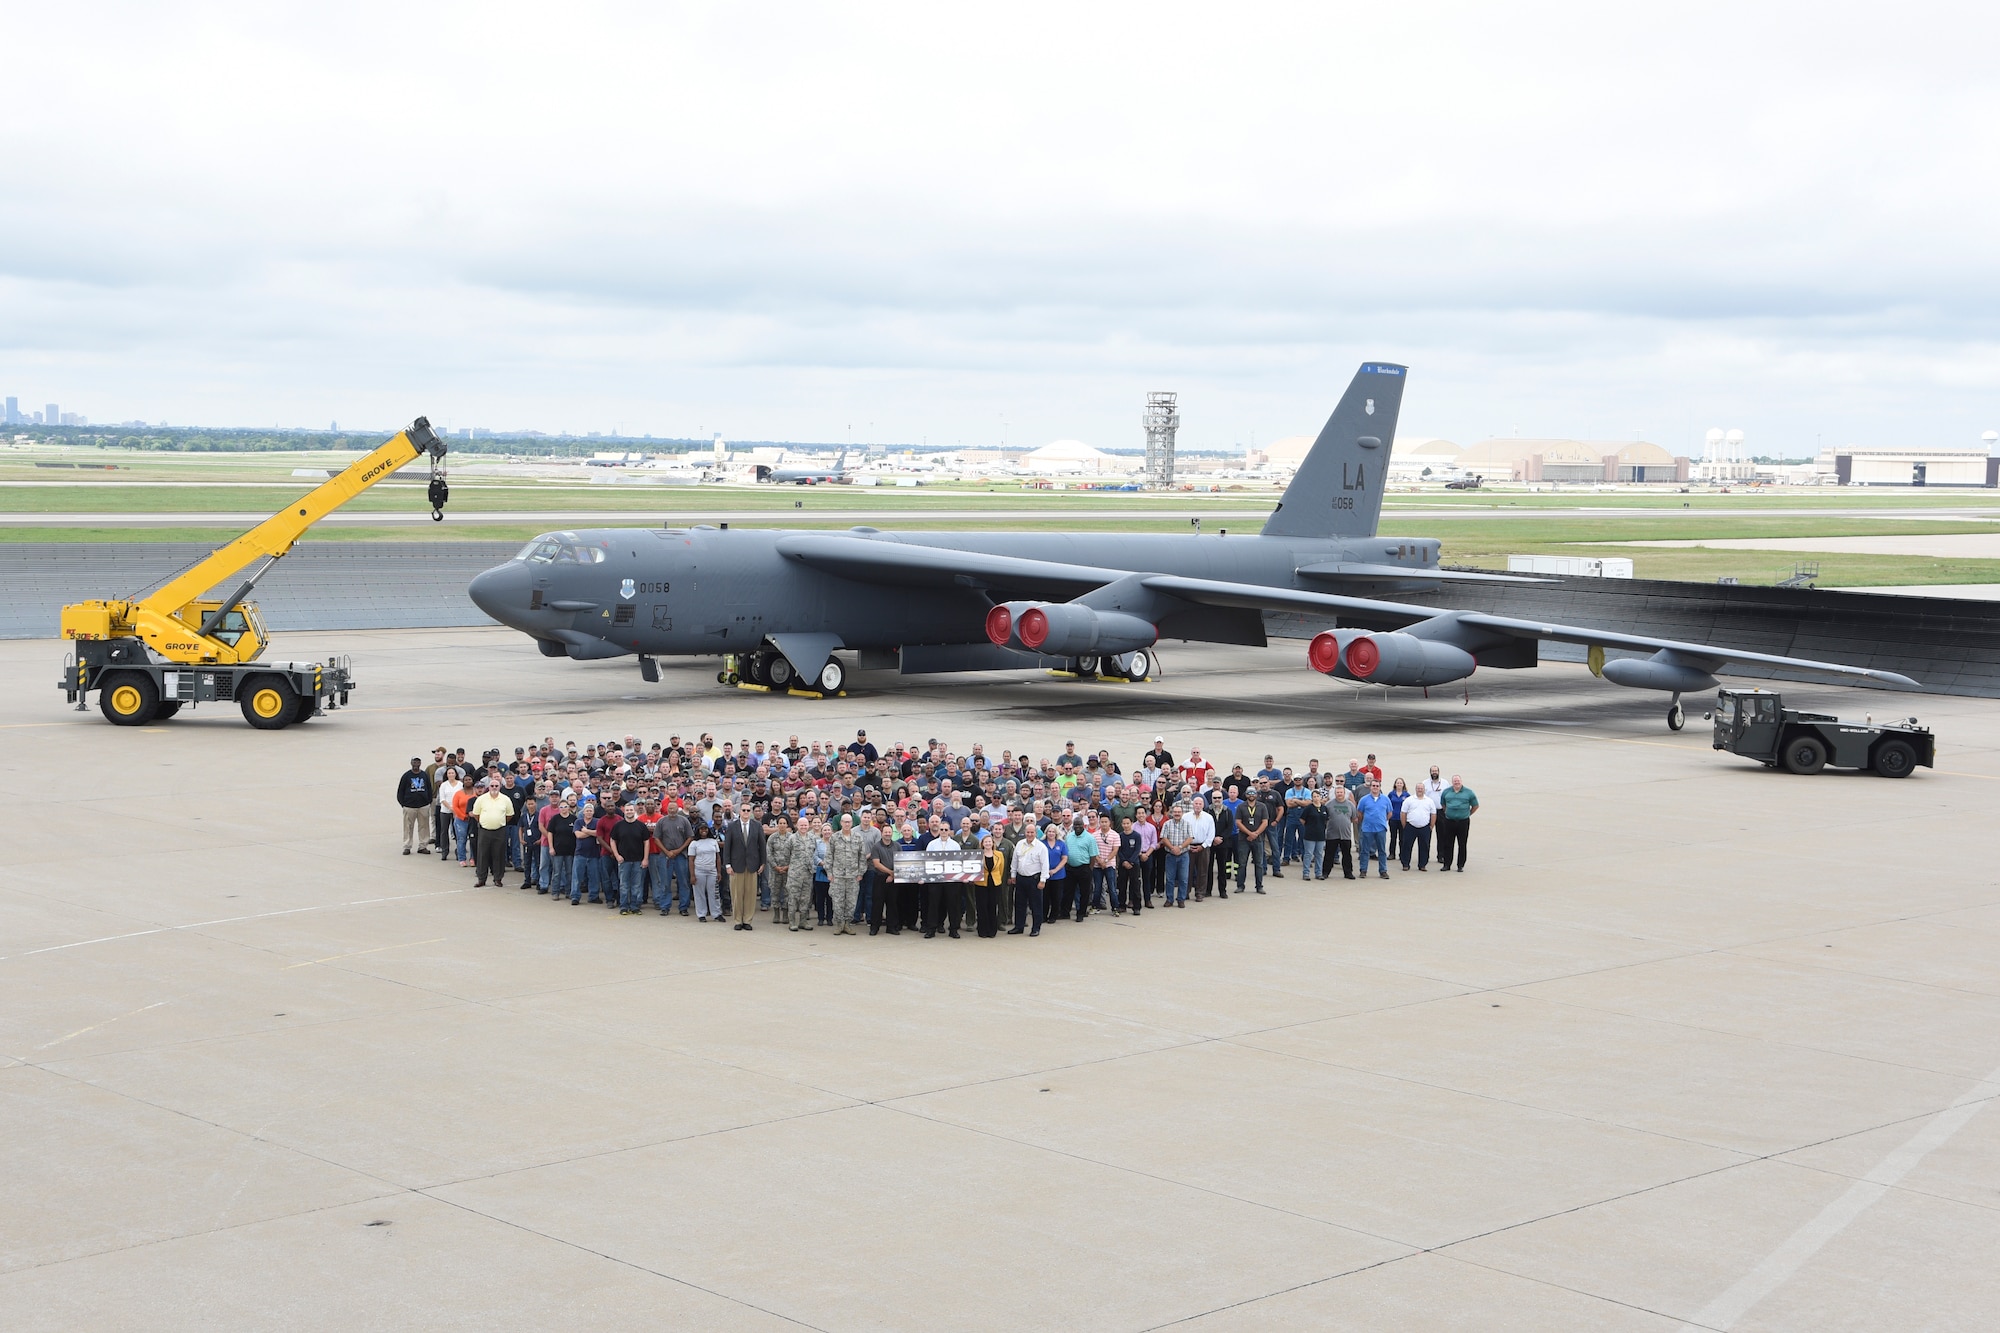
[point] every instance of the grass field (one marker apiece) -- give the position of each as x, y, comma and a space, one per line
1476, 528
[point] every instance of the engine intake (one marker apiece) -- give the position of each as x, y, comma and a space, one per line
1388, 659
1003, 624
1067, 629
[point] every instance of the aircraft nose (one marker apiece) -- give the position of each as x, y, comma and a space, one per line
501, 592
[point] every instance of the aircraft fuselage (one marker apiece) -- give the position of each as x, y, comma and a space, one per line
707, 591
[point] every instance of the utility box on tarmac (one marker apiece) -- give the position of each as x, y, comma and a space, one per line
1757, 725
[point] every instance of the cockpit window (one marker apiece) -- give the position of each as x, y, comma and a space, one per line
232, 628
561, 548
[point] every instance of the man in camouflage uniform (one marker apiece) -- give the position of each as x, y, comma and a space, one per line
843, 873
779, 851
799, 877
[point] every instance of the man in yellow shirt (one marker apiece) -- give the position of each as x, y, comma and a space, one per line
491, 813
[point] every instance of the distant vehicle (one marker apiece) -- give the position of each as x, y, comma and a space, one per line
1464, 484
807, 476
1757, 725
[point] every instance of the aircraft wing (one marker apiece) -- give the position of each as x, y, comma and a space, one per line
1709, 656
884, 560
1336, 571
905, 564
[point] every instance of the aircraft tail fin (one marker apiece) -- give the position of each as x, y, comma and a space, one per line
1337, 491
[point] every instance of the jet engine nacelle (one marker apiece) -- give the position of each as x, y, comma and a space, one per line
1003, 624
1661, 671
1066, 629
1388, 659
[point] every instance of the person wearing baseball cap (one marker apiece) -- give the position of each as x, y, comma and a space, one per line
417, 797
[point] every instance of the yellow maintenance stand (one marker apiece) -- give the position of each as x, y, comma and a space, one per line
147, 656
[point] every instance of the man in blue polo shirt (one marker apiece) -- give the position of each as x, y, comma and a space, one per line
1373, 810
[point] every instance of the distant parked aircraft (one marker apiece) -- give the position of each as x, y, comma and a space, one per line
807, 476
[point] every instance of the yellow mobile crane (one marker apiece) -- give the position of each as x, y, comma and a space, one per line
146, 656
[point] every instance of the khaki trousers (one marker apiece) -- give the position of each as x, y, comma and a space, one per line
742, 895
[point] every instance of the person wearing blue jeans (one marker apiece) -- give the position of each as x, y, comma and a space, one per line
1373, 811
1297, 797
1175, 837
631, 847
673, 832
584, 873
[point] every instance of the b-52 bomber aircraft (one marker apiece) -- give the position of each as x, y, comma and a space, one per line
786, 603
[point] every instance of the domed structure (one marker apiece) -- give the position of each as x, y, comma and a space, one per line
1068, 456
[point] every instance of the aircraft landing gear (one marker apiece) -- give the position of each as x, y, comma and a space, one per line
1138, 665
1676, 719
832, 676
779, 674
757, 669
1087, 667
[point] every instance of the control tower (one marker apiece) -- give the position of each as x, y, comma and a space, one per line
1162, 420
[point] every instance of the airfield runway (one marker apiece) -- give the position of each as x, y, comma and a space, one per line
1691, 1044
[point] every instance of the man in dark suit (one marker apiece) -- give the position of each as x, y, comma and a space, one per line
743, 854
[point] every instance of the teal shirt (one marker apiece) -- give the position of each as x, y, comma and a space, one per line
1082, 848
1458, 804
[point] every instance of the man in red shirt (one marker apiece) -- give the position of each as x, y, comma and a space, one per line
1196, 770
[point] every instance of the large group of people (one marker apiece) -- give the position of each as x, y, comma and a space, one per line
810, 832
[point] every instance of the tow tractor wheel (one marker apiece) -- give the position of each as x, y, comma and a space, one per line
780, 673
1895, 759
1805, 755
129, 699
1139, 665
268, 703
1676, 718
832, 676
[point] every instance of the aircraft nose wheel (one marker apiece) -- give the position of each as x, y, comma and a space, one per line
1676, 718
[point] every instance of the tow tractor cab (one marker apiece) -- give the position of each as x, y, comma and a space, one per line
1757, 725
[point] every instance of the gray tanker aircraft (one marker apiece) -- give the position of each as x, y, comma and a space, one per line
786, 602
807, 476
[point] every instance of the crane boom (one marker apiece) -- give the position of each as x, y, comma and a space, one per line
276, 535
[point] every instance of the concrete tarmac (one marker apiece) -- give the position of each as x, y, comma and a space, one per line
1691, 1043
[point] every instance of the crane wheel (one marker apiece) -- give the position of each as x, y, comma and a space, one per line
129, 699
268, 703
168, 708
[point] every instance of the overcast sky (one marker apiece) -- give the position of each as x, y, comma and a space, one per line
1008, 223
